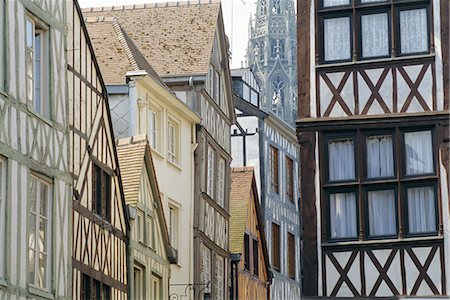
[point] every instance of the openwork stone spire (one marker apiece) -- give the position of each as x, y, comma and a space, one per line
272, 55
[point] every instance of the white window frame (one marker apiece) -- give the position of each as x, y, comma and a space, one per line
173, 141
42, 107
219, 278
221, 183
152, 125
2, 51
205, 268
141, 284
140, 220
40, 181
3, 175
210, 172
155, 286
211, 81
174, 225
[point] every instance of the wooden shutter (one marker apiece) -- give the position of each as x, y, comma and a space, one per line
246, 252
255, 257
274, 178
291, 255
290, 179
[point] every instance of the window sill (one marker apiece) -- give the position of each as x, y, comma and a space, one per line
41, 293
175, 165
39, 116
325, 65
386, 241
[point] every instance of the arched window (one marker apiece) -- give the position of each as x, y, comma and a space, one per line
277, 48
263, 7
258, 51
276, 8
278, 94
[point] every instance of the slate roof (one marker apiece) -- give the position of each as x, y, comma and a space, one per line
241, 187
115, 51
177, 37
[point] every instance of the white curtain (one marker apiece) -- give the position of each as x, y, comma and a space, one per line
341, 160
343, 215
380, 156
419, 152
370, 1
421, 209
375, 35
337, 38
382, 213
327, 3
413, 30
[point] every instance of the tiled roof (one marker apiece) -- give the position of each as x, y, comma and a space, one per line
176, 38
131, 153
115, 51
241, 187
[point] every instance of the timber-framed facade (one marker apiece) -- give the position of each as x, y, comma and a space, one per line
100, 225
373, 128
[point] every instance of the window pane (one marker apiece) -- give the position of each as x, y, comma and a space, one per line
337, 39
327, 3
414, 31
210, 181
421, 209
370, 1
343, 215
37, 73
375, 35
152, 128
382, 213
380, 156
42, 274
419, 152
341, 159
221, 183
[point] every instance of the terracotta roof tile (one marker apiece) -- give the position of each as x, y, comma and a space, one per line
176, 37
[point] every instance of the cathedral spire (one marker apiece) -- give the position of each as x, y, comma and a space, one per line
272, 55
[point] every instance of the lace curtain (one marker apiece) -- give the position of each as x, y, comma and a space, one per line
343, 215
375, 35
419, 152
421, 209
341, 160
337, 39
380, 156
382, 213
413, 31
327, 3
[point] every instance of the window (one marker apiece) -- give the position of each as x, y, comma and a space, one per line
101, 192
278, 85
274, 180
2, 214
220, 282
291, 255
173, 226
337, 39
173, 142
150, 237
39, 233
255, 257
139, 283
37, 66
397, 172
290, 179
374, 34
217, 84
211, 81
276, 246
210, 173
276, 8
156, 287
205, 270
152, 128
221, 183
2, 49
277, 48
140, 227
246, 252
92, 289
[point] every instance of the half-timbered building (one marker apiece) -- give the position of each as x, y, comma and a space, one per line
35, 179
141, 103
99, 217
373, 128
250, 269
186, 44
264, 141
150, 252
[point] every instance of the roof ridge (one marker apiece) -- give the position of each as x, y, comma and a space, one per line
98, 19
242, 169
150, 5
125, 45
135, 139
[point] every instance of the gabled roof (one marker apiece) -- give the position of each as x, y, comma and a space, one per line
116, 53
176, 37
243, 183
134, 153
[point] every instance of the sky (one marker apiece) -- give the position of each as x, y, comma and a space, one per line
236, 14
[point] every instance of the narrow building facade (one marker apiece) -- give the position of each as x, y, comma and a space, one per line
35, 173
264, 141
99, 216
186, 44
250, 269
373, 127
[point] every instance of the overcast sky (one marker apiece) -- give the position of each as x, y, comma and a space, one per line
236, 16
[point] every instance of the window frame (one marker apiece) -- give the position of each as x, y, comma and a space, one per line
174, 228
247, 259
102, 207
291, 256
290, 179
175, 156
255, 257
3, 196
41, 179
322, 36
413, 6
372, 11
337, 136
403, 151
274, 169
210, 168
276, 249
221, 179
370, 133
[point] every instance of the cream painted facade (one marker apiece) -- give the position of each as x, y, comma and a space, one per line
175, 176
